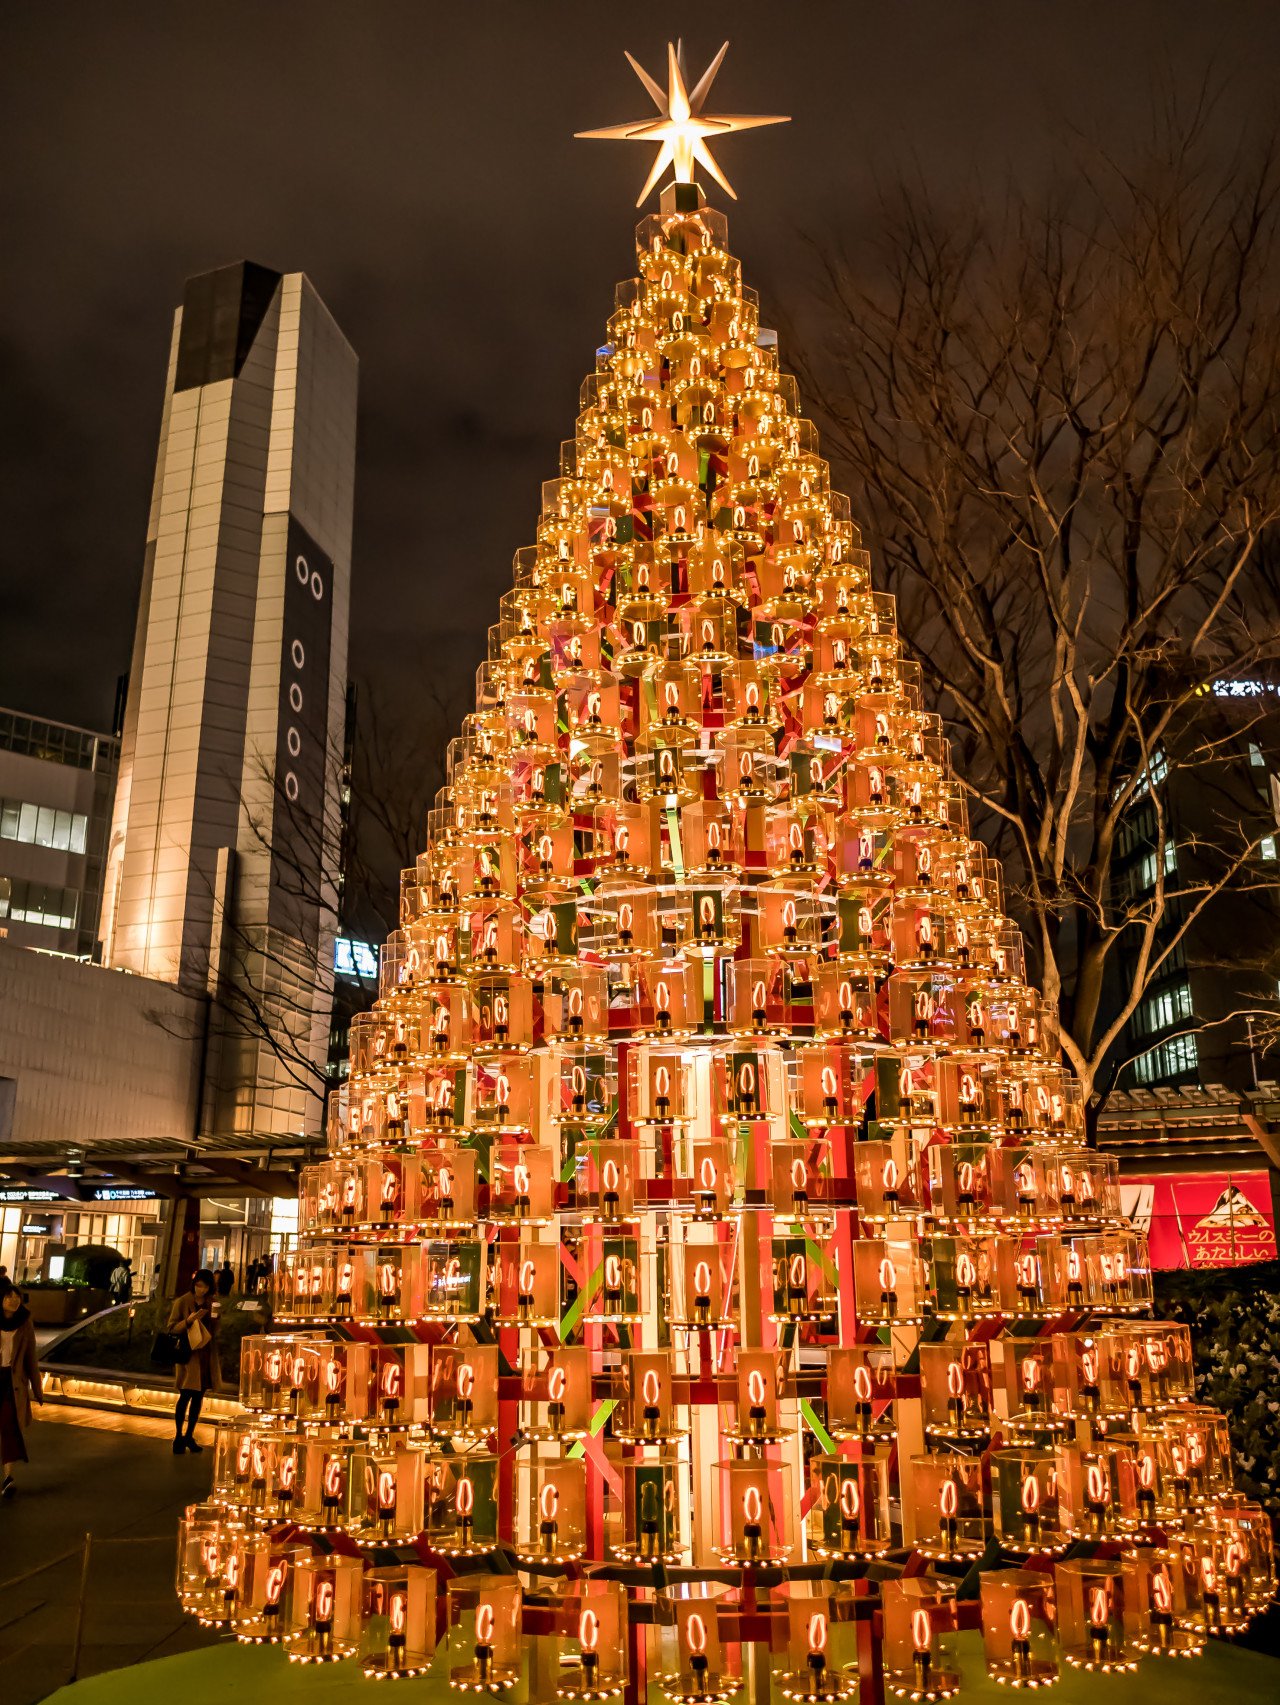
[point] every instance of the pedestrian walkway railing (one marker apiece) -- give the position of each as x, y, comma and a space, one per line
84, 1550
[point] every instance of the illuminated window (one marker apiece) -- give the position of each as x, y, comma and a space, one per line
1164, 1009
40, 903
43, 826
1172, 1058
1170, 857
1267, 847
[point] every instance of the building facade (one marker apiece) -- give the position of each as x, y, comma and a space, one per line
1204, 822
56, 788
225, 841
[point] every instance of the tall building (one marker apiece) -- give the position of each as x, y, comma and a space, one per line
1210, 791
56, 789
224, 841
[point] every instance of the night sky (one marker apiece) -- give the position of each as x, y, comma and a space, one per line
417, 162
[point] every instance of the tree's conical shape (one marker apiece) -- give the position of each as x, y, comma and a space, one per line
707, 1193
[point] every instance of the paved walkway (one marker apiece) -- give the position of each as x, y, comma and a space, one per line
115, 1477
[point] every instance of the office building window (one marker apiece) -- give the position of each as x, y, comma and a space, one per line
1256, 756
1170, 857
1171, 1059
1152, 776
40, 903
1163, 1009
42, 826
1267, 847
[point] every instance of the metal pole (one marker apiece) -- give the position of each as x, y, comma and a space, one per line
80, 1602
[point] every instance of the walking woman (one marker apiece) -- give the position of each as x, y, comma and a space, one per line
195, 1315
19, 1383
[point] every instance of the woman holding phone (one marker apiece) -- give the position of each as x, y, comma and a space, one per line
194, 1314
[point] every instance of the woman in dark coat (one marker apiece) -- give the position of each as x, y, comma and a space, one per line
19, 1383
197, 1309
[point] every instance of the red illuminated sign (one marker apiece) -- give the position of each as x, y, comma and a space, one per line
1207, 1219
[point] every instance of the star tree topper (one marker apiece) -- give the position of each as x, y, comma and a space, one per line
682, 129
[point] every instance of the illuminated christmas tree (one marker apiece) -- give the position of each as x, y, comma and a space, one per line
708, 1219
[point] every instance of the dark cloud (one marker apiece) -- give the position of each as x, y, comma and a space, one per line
416, 160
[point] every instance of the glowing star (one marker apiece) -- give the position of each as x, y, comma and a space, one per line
682, 129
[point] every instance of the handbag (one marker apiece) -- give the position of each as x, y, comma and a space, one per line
170, 1350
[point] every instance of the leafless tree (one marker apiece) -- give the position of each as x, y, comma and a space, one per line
1061, 423
331, 876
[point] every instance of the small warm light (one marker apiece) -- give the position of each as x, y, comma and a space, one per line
921, 1630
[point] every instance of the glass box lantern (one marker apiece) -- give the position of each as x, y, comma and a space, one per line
267, 1364
528, 1283
1019, 1622
1155, 1600
325, 1498
955, 1388
1097, 1490
801, 1182
844, 1001
522, 1184
464, 1391
1024, 1500
1033, 1403
759, 1378
399, 1373
1032, 1275
861, 1389
966, 1271
694, 1666
813, 1656
258, 1618
709, 1179
1093, 1625
1117, 1272
555, 1394
551, 1510
1223, 1558
1089, 1376
204, 1540
338, 1386
887, 1179
243, 1466
398, 1629
605, 1181
1165, 1371
848, 1506
325, 1609
947, 1518
959, 1184
443, 1192
758, 998
804, 1279
591, 1644
1195, 1455
649, 1530
390, 1503
660, 1086
702, 1276
644, 1409
753, 1518
615, 1287
462, 1505
919, 1638
484, 1615
889, 1284
575, 1003
1246, 1521
748, 1082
